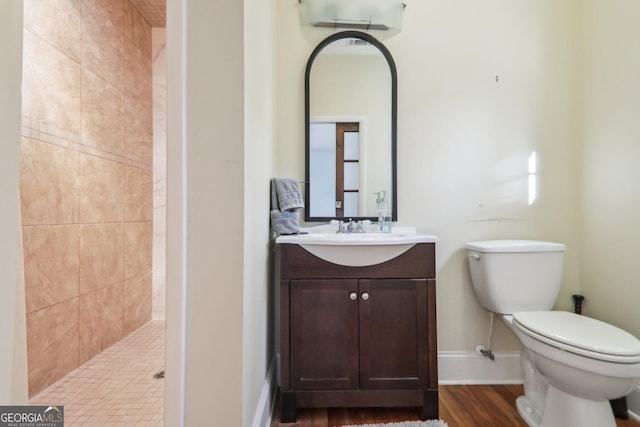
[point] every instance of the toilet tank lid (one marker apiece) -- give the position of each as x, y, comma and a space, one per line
515, 246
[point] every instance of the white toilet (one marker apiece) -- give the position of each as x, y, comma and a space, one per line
573, 365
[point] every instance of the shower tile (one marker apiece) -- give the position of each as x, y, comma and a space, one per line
102, 114
51, 82
138, 125
116, 387
137, 302
159, 242
138, 242
57, 22
109, 12
138, 79
101, 190
52, 343
138, 195
159, 297
160, 183
137, 29
102, 42
51, 263
101, 257
101, 320
49, 183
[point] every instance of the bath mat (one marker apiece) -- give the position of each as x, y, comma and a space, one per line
430, 423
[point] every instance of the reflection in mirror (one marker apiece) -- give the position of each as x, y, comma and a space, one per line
350, 120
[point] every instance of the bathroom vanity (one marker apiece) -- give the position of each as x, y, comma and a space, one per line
357, 335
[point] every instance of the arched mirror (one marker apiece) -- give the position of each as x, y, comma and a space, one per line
350, 128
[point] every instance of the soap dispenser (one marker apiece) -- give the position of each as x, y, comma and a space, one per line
384, 212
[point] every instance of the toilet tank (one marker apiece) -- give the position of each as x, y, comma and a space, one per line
516, 275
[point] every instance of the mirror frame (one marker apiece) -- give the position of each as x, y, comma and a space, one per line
394, 122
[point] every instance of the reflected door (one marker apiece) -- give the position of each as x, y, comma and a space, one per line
347, 169
334, 168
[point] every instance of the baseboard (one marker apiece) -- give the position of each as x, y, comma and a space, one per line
466, 367
262, 416
633, 404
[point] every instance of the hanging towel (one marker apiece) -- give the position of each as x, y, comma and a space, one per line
288, 194
285, 192
285, 222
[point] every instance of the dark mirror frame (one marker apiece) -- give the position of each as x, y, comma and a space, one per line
394, 122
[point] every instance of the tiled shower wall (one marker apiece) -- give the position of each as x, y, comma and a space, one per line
159, 172
86, 183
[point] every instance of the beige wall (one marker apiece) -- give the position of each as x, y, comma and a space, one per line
13, 349
86, 184
464, 139
610, 226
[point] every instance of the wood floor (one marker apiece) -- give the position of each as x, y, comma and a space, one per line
460, 406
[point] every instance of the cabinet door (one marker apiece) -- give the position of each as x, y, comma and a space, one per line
324, 334
393, 334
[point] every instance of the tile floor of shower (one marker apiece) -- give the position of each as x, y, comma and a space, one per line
117, 387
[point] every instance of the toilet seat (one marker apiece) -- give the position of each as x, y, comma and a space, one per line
579, 334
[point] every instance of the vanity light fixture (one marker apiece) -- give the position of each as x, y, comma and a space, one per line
384, 15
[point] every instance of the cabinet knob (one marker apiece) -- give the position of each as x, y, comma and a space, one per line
365, 296
353, 296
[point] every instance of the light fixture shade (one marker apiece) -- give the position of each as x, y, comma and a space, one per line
382, 15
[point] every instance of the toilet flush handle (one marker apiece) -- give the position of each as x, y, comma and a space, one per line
474, 256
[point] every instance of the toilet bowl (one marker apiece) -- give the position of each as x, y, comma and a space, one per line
573, 365
571, 376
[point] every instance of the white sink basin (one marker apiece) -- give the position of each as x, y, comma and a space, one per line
356, 249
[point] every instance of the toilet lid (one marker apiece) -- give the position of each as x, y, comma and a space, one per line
580, 331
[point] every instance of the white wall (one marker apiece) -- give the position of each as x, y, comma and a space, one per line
611, 152
220, 159
259, 134
13, 337
464, 139
205, 213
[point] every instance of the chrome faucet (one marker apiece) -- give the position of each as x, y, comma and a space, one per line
350, 227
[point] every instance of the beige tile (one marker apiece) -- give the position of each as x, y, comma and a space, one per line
138, 195
51, 85
137, 29
49, 183
110, 12
102, 40
138, 126
159, 304
116, 383
52, 344
138, 79
57, 22
101, 320
101, 256
137, 302
51, 263
102, 114
138, 240
101, 190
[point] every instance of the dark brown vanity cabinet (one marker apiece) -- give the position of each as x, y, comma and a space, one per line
357, 336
